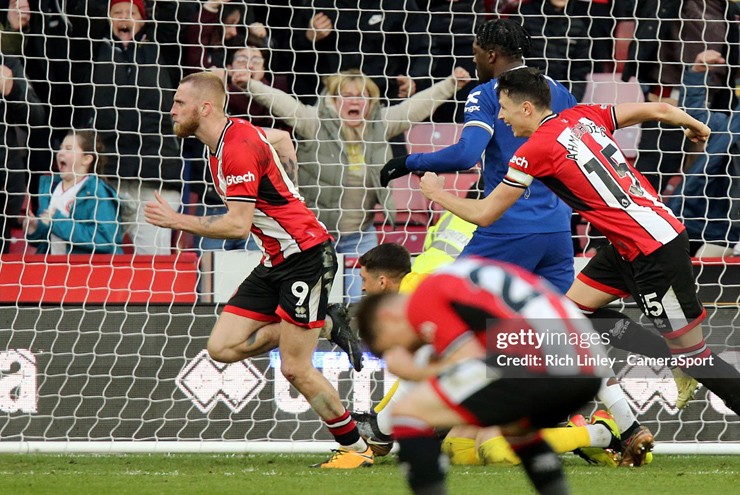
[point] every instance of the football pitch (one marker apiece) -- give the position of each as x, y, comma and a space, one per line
291, 474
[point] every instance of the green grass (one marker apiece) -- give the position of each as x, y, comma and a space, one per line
290, 474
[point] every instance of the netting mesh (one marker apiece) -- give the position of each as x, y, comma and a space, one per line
105, 317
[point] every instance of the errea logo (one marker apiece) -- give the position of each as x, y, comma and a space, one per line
520, 161
239, 179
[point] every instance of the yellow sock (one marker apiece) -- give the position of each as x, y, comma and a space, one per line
566, 439
385, 400
461, 451
497, 450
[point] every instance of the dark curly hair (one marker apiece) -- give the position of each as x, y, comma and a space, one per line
525, 84
504, 36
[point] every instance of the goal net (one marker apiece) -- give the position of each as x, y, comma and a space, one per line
106, 352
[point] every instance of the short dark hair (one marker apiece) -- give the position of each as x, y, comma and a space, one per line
525, 84
366, 317
504, 36
391, 259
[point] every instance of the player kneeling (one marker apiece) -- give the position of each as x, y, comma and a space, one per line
457, 310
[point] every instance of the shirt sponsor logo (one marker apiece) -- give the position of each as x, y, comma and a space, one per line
239, 179
472, 108
520, 161
473, 97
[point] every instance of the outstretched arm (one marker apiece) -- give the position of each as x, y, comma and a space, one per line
462, 155
628, 114
481, 212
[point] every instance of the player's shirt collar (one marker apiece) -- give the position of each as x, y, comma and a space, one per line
516, 68
220, 145
548, 118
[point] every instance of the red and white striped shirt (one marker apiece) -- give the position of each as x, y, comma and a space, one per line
245, 167
575, 154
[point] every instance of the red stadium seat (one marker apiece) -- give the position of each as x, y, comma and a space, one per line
624, 33
412, 208
411, 237
427, 137
610, 89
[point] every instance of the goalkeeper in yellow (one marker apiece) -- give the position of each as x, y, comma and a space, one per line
388, 268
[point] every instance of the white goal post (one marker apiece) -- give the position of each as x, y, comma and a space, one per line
106, 354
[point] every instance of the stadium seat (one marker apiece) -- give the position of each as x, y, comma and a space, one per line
428, 136
411, 237
624, 33
18, 244
412, 208
459, 183
610, 89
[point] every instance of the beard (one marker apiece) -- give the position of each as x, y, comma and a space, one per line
187, 128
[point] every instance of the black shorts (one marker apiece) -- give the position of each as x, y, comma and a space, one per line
297, 290
662, 283
487, 395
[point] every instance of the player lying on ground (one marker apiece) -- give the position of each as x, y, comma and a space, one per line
387, 269
283, 302
575, 154
457, 310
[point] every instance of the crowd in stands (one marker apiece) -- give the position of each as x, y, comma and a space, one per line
87, 87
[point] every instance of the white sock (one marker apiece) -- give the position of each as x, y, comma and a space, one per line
358, 446
599, 436
384, 416
613, 398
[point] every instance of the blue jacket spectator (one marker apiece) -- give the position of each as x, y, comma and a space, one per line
78, 212
707, 200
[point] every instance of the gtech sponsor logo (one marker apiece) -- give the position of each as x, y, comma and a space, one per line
520, 161
239, 179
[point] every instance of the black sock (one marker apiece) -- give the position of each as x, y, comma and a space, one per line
543, 468
720, 377
628, 335
624, 436
421, 461
343, 429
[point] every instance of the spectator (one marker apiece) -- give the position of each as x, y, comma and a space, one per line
19, 107
670, 34
217, 28
451, 26
52, 40
600, 18
708, 200
250, 63
343, 146
559, 42
385, 39
128, 103
78, 211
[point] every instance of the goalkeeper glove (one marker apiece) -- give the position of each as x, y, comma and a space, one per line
395, 168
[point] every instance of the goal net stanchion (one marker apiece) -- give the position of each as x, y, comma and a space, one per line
106, 354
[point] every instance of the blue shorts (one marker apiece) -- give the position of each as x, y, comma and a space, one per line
549, 255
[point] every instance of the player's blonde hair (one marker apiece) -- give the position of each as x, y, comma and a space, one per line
209, 87
336, 83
